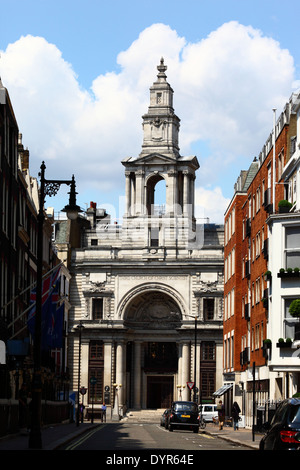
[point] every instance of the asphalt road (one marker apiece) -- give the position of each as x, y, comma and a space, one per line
147, 437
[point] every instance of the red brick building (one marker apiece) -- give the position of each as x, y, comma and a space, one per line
246, 285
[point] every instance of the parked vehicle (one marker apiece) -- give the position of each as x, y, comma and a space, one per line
163, 417
208, 412
283, 432
183, 414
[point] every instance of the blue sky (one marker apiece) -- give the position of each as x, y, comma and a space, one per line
79, 72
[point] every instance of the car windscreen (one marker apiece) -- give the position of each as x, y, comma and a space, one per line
191, 407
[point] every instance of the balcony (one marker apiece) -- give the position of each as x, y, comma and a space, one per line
267, 201
248, 227
265, 299
247, 269
247, 312
266, 249
245, 357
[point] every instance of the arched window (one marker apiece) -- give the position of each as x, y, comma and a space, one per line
156, 195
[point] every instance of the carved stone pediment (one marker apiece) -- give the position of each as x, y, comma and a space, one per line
155, 311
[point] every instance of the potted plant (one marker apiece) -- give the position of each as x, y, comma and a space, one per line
284, 344
294, 308
289, 272
284, 206
268, 275
267, 344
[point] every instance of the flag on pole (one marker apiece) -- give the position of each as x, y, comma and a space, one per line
55, 326
54, 320
50, 294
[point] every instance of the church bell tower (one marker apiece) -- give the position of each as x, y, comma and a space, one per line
159, 160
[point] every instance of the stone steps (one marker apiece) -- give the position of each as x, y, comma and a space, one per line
152, 416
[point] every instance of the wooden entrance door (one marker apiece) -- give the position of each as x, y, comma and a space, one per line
159, 391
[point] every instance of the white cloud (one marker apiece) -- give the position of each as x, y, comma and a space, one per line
210, 204
225, 88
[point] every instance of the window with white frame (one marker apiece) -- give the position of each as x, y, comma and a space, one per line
291, 324
292, 246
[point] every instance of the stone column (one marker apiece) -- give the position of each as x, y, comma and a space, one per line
219, 365
84, 366
120, 376
185, 191
127, 192
137, 375
179, 372
140, 203
192, 195
185, 377
107, 363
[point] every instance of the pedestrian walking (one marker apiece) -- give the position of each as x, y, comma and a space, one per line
221, 414
235, 413
103, 413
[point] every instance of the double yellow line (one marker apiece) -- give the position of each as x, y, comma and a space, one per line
84, 438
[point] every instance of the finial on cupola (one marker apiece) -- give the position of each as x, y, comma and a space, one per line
162, 68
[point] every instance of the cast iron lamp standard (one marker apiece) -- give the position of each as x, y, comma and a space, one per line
180, 389
79, 327
195, 361
47, 188
195, 357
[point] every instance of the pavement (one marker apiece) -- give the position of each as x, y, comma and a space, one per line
53, 437
241, 436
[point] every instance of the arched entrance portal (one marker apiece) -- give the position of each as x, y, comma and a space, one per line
153, 316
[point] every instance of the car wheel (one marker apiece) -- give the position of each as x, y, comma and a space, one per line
195, 430
261, 445
170, 428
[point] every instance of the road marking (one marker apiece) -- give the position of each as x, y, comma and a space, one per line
206, 436
84, 438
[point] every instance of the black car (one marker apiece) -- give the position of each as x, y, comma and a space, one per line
283, 432
163, 417
183, 414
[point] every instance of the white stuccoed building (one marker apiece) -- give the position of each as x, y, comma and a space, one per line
139, 289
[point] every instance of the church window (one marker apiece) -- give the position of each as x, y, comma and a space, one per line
159, 98
97, 309
209, 308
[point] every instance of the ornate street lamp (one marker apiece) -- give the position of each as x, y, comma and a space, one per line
47, 188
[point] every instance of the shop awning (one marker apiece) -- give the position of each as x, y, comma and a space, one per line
225, 388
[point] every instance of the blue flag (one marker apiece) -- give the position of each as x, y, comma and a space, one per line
55, 323
50, 298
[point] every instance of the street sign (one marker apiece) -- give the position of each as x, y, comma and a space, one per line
190, 385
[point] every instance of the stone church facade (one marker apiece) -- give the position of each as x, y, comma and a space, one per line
148, 294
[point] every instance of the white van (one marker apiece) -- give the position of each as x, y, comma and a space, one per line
209, 411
